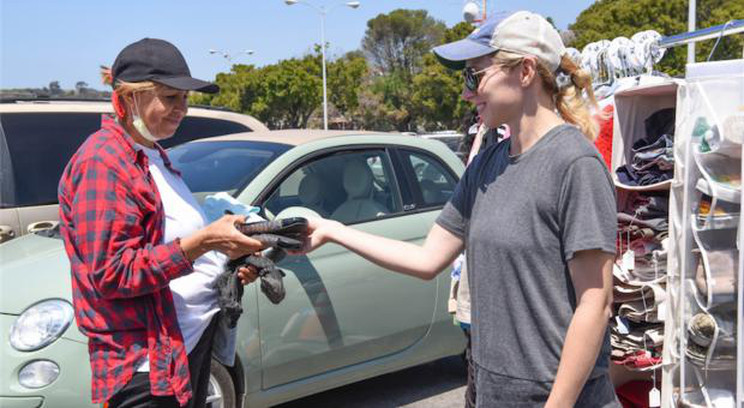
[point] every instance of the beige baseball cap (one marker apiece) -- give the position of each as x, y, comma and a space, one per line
523, 33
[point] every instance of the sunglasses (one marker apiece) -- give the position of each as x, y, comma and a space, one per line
473, 77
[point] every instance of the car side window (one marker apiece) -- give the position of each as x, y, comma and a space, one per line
39, 146
434, 182
350, 187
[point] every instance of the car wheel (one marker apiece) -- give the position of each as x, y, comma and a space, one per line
221, 392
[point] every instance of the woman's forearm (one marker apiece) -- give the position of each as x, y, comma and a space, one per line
591, 275
580, 349
423, 262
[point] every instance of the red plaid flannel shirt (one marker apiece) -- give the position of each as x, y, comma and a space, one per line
112, 222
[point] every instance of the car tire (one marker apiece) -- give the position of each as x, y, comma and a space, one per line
221, 392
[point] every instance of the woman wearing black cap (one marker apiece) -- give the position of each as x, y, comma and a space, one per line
143, 259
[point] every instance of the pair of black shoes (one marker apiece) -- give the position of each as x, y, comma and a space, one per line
277, 236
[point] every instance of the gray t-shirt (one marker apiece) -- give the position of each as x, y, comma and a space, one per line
522, 219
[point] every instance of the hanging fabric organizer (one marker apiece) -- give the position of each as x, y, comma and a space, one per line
702, 361
642, 166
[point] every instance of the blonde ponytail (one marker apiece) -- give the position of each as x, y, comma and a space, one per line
570, 102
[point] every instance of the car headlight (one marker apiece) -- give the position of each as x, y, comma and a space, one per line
39, 373
40, 325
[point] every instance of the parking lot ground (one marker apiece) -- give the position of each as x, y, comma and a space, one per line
439, 384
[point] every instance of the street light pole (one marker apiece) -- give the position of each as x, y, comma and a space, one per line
323, 12
323, 56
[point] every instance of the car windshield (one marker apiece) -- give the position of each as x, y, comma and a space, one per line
209, 167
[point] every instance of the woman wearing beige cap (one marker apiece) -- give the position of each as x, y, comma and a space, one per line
536, 215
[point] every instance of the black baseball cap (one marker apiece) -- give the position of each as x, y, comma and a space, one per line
151, 59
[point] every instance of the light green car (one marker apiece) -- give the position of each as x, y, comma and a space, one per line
343, 319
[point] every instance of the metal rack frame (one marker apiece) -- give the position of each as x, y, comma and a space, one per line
692, 37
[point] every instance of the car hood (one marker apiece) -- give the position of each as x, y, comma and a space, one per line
34, 268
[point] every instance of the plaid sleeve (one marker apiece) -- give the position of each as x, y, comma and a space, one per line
108, 212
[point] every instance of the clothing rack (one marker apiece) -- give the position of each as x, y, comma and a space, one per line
692, 37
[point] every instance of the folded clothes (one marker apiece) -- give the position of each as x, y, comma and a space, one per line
657, 224
643, 247
646, 207
651, 157
715, 275
652, 292
650, 176
644, 272
640, 359
638, 311
627, 334
659, 154
654, 337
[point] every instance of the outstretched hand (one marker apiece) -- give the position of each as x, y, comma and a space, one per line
320, 231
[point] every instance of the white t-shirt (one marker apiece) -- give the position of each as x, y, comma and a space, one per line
193, 296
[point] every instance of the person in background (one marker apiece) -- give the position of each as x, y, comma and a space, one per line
143, 259
536, 215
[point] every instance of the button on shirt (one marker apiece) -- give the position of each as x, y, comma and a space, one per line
112, 225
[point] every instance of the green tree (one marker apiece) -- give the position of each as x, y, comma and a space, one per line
288, 94
436, 96
374, 112
436, 90
282, 95
397, 41
55, 89
457, 32
607, 19
345, 77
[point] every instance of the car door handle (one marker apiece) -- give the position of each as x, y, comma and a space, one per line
6, 233
41, 225
409, 207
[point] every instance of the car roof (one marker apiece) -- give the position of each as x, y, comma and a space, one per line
97, 106
292, 137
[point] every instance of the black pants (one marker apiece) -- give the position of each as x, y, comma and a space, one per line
470, 389
136, 394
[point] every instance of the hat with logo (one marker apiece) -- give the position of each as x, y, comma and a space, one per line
151, 59
522, 33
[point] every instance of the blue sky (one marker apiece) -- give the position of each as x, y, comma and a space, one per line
66, 40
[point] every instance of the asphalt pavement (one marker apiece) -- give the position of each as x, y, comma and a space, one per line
439, 384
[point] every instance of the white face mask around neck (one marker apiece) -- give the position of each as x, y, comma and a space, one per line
140, 125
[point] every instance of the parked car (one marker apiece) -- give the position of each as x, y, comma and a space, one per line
450, 138
343, 320
40, 136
